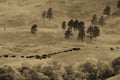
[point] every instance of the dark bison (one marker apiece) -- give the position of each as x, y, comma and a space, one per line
44, 56
76, 49
5, 56
38, 57
13, 56
29, 56
22, 56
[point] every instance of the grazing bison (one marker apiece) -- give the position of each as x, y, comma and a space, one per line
54, 53
76, 49
22, 56
65, 51
44, 56
34, 29
59, 52
29, 56
5, 56
38, 57
69, 50
111, 49
13, 56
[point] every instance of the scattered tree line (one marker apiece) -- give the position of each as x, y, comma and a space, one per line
93, 30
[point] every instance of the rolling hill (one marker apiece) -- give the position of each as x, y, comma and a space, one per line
19, 15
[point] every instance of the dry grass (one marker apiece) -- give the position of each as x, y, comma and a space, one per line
18, 16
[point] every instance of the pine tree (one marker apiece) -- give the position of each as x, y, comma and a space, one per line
118, 4
102, 21
107, 10
64, 25
50, 13
44, 15
94, 19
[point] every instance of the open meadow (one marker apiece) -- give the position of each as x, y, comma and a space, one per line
17, 16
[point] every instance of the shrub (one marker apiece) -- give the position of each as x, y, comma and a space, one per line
54, 71
69, 73
90, 70
105, 70
94, 70
8, 73
116, 65
31, 74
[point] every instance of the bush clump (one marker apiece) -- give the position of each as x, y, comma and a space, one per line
116, 65
89, 70
31, 74
8, 73
95, 70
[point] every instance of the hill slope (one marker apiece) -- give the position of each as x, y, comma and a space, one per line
25, 12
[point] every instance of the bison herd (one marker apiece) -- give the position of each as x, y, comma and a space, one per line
43, 56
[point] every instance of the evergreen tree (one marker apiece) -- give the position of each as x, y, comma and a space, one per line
70, 24
68, 34
118, 4
102, 21
90, 32
50, 13
96, 31
81, 35
107, 10
94, 19
64, 25
44, 15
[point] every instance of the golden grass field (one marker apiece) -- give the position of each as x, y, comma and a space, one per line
18, 16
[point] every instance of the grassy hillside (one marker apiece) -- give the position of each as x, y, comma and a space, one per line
19, 15
17, 12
